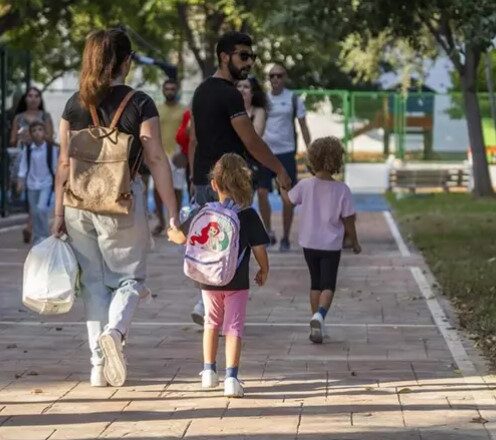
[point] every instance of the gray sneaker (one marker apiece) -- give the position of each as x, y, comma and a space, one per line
317, 328
198, 313
114, 369
232, 388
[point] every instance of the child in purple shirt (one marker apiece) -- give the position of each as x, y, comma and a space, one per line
326, 214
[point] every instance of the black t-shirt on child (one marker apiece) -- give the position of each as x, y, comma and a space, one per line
216, 101
140, 108
252, 233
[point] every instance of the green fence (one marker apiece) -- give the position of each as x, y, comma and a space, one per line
416, 126
375, 124
15, 76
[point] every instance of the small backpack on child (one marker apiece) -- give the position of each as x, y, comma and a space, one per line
212, 248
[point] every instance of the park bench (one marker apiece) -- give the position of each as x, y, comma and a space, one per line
445, 178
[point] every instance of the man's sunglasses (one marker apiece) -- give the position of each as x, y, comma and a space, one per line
244, 56
276, 75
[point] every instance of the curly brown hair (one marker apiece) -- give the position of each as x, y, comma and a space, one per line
233, 177
326, 154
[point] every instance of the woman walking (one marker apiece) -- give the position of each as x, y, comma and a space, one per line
111, 249
29, 109
255, 101
256, 104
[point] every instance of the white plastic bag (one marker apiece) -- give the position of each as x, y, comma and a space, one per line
50, 276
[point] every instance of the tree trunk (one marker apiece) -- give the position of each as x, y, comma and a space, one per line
482, 179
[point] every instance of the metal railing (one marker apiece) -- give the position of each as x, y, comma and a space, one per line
15, 75
414, 126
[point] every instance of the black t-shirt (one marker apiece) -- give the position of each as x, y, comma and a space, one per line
216, 101
252, 233
140, 108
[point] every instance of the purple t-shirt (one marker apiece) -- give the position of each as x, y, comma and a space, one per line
323, 205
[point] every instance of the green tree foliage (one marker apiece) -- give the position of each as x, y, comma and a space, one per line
54, 30
481, 81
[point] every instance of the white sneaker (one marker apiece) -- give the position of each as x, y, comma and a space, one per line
114, 370
317, 328
97, 379
232, 387
198, 313
210, 379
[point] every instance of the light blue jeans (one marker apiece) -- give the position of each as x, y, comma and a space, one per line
111, 251
40, 207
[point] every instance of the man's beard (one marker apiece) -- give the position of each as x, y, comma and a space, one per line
237, 74
170, 99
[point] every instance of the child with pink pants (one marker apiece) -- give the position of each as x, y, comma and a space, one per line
226, 311
225, 306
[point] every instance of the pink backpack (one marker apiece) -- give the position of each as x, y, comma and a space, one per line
213, 244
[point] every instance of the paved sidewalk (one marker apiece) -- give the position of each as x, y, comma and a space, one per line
393, 366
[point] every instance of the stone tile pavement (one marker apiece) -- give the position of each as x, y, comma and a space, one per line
385, 372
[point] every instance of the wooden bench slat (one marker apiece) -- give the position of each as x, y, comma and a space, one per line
445, 178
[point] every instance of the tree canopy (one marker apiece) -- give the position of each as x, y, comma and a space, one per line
54, 31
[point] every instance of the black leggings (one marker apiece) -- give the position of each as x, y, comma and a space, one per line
323, 266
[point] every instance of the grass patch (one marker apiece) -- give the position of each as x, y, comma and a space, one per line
457, 235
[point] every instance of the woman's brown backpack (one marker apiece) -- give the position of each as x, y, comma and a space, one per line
99, 173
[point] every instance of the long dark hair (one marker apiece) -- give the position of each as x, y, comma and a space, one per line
103, 55
259, 96
22, 106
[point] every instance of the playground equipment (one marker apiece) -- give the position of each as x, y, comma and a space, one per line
395, 114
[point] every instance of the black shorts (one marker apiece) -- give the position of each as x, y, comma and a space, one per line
265, 176
323, 267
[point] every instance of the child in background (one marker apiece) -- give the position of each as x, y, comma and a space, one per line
326, 214
225, 307
37, 175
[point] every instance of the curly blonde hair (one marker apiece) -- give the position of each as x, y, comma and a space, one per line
233, 177
326, 154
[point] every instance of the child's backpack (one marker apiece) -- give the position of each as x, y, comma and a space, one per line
212, 247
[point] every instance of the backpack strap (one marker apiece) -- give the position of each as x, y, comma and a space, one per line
294, 103
49, 159
231, 204
94, 116
121, 108
241, 256
118, 113
137, 164
28, 158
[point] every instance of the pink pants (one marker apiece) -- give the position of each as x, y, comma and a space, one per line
225, 309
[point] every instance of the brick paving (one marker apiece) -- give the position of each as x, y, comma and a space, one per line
384, 372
